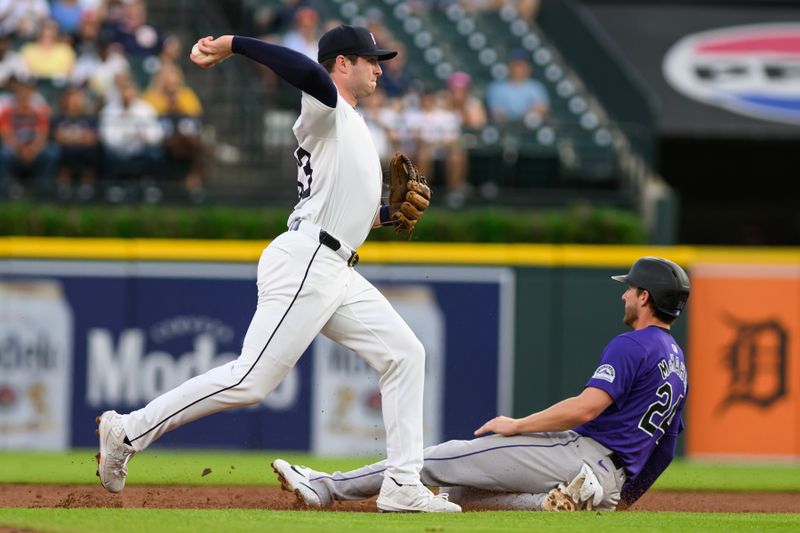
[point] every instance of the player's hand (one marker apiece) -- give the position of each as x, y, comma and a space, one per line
502, 425
212, 51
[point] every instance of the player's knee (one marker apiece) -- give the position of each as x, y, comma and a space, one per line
413, 356
259, 383
252, 395
418, 352
405, 357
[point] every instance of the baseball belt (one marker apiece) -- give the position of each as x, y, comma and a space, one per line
616, 461
326, 239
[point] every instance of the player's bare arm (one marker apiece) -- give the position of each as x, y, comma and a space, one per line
562, 416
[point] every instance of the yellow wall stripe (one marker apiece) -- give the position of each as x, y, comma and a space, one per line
390, 252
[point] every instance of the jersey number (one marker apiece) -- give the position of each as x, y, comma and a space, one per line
663, 407
303, 160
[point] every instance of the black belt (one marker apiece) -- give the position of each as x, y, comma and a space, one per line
326, 239
616, 461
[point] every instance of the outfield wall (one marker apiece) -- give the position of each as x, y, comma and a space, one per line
93, 324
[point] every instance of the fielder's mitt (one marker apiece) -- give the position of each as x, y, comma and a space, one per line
409, 194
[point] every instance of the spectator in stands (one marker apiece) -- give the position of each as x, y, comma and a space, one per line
138, 38
69, 16
48, 57
378, 30
11, 63
372, 109
22, 18
526, 9
512, 99
131, 137
392, 116
99, 65
180, 113
437, 129
269, 19
396, 79
305, 34
75, 131
172, 52
110, 14
469, 107
25, 153
141, 42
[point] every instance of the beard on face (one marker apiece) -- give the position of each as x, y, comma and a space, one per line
631, 316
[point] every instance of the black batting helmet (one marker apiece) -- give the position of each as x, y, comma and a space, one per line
666, 282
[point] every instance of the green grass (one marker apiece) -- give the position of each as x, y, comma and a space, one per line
178, 521
163, 467
172, 467
694, 476
252, 468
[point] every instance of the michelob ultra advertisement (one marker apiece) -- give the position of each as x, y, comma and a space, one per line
35, 365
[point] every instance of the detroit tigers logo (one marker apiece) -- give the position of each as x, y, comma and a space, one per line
373, 39
757, 361
605, 372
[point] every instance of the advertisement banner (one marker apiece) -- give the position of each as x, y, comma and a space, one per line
744, 361
346, 417
36, 329
138, 329
714, 70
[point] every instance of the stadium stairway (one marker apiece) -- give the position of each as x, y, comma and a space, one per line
573, 147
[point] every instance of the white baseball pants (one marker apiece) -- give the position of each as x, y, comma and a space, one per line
305, 288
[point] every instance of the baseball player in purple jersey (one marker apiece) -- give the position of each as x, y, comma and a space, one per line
306, 280
601, 449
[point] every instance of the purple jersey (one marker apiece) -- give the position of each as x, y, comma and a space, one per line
644, 373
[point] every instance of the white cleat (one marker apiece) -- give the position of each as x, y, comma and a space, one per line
296, 479
114, 453
412, 499
584, 492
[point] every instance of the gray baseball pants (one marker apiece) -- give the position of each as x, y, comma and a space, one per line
492, 472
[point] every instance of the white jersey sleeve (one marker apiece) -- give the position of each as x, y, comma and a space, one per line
316, 119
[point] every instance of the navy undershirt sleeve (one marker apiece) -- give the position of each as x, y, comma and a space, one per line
659, 460
296, 68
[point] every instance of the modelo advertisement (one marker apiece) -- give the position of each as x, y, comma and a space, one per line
78, 338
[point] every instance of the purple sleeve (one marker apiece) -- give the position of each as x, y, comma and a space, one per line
296, 68
617, 369
659, 460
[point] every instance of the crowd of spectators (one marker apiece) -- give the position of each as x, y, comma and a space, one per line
93, 104
423, 119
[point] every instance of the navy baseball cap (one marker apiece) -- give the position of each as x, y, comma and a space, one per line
351, 40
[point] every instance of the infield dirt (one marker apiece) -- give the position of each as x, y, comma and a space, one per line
184, 497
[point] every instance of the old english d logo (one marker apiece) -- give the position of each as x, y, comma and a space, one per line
744, 360
756, 362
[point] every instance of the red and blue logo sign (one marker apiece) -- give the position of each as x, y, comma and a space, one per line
752, 70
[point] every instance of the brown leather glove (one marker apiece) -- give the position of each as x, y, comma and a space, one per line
409, 194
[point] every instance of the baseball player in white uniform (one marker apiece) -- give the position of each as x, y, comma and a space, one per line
306, 280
